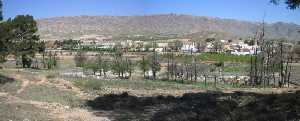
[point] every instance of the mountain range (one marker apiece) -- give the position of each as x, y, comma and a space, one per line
164, 24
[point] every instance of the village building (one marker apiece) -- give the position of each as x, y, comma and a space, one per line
189, 47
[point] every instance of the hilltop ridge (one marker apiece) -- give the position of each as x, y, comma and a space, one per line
74, 26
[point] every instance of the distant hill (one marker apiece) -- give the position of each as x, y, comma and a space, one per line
70, 27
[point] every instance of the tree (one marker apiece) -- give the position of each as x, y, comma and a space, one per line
41, 49
217, 45
154, 64
69, 44
5, 36
91, 65
99, 64
291, 4
51, 61
118, 49
144, 65
210, 39
129, 67
80, 59
204, 70
175, 45
105, 67
297, 50
24, 39
200, 46
220, 66
178, 45
117, 65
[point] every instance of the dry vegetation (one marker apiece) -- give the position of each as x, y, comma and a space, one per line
52, 98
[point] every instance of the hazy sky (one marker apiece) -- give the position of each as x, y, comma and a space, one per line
252, 10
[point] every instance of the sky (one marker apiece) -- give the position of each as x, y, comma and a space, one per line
249, 10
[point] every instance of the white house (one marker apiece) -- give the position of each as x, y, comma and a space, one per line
189, 47
243, 49
107, 45
209, 47
163, 45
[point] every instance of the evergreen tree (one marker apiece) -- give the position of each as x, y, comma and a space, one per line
5, 36
291, 4
24, 39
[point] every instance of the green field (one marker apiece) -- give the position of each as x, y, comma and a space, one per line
222, 57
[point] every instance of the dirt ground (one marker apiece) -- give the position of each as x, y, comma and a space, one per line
56, 111
156, 105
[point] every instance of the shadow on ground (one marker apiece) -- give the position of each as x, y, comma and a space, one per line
213, 106
4, 80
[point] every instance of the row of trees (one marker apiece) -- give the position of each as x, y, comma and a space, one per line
190, 70
270, 65
118, 64
271, 62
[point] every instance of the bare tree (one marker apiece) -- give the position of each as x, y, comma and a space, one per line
144, 65
80, 59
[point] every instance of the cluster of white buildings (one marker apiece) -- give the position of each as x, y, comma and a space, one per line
243, 49
237, 47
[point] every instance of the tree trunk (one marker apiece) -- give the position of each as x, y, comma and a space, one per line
281, 66
154, 75
144, 74
205, 83
215, 84
169, 68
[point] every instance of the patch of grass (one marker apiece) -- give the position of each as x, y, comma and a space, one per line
51, 75
66, 62
11, 88
9, 85
222, 57
51, 95
22, 112
94, 84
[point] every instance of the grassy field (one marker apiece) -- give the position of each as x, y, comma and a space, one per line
222, 57
94, 84
218, 57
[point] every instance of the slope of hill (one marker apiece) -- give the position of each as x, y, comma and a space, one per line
69, 27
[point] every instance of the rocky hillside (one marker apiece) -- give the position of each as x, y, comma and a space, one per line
69, 27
